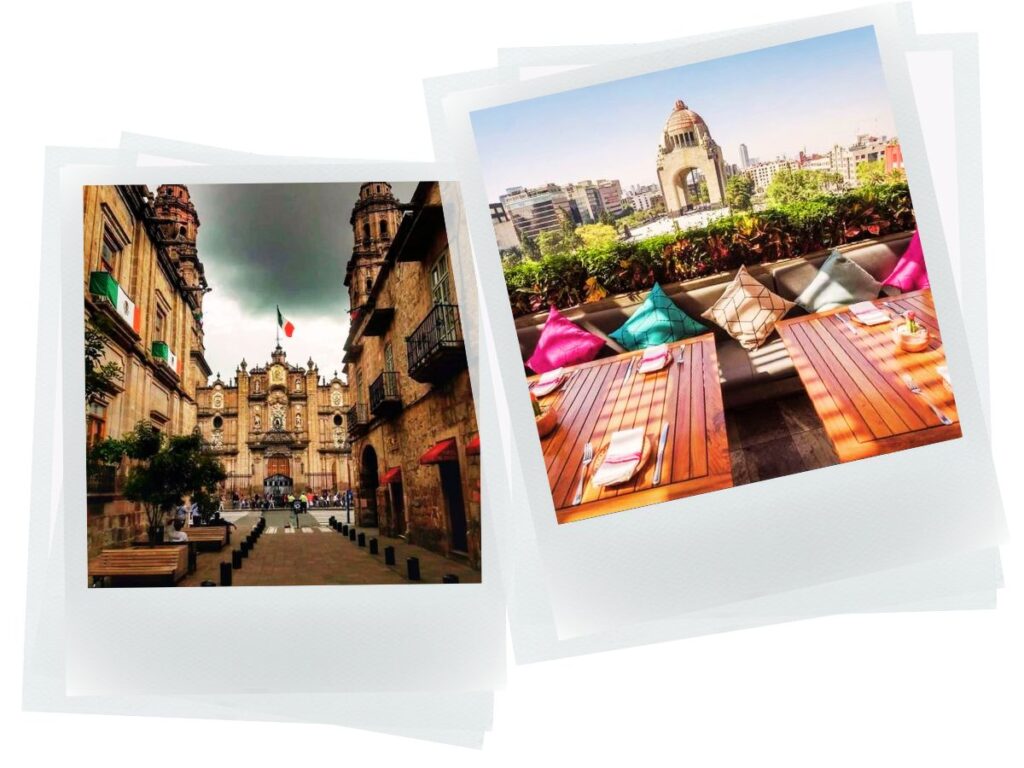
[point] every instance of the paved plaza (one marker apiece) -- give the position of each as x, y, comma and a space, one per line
307, 551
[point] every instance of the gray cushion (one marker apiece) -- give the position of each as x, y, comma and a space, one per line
739, 368
840, 281
878, 259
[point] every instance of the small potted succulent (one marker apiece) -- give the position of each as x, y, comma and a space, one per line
547, 419
910, 335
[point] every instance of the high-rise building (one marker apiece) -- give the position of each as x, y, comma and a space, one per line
763, 173
533, 211
611, 196
504, 229
744, 157
893, 157
687, 146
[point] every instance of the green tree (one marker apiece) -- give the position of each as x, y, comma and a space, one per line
530, 247
597, 235
703, 196
559, 242
794, 185
100, 376
606, 218
166, 469
739, 190
871, 172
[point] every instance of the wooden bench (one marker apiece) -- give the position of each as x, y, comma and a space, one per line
213, 536
160, 565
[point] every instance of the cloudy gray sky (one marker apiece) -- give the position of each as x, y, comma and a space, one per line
276, 244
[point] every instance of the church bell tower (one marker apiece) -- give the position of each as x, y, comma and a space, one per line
375, 218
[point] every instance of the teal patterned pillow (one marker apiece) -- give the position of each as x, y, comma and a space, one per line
657, 321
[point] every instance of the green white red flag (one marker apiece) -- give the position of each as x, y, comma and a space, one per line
285, 324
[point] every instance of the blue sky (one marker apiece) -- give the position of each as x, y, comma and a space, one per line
809, 94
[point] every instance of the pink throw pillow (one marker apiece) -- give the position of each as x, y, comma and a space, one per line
562, 342
910, 273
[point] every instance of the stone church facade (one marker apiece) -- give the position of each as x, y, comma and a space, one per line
143, 288
410, 417
277, 428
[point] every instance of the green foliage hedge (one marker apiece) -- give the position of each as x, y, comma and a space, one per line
584, 275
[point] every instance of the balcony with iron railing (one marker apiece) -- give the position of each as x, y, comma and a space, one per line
385, 399
358, 419
436, 348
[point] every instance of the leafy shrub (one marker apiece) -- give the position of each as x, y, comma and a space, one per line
743, 238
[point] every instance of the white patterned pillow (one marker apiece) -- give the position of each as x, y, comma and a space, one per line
748, 311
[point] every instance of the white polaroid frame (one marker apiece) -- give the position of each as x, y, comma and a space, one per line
457, 718
599, 572
408, 638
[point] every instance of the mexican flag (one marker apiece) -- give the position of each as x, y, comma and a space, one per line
103, 284
286, 325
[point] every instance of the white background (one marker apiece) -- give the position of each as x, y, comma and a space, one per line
290, 78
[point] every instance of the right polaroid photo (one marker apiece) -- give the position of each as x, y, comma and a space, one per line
715, 274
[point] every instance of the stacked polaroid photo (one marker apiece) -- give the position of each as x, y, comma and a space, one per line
671, 340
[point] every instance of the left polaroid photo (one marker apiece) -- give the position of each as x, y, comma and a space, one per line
276, 387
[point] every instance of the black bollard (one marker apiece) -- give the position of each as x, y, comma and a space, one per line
361, 539
389, 555
244, 548
373, 546
351, 534
331, 519
344, 529
413, 565
225, 574
449, 578
208, 583
236, 559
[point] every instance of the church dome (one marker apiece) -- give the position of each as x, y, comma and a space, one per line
682, 119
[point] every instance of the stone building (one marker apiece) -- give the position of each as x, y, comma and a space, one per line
687, 146
143, 288
411, 419
277, 428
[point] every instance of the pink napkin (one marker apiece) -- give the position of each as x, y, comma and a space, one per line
624, 451
653, 358
867, 313
548, 382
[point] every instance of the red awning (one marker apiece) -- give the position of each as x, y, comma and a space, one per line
473, 446
442, 451
393, 475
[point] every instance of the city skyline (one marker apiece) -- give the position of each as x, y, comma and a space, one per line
824, 90
265, 245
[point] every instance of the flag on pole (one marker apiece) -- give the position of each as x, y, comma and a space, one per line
285, 325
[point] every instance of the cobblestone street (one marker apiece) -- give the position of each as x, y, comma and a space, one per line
312, 553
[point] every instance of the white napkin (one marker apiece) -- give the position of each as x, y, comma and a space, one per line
653, 358
866, 312
624, 452
548, 382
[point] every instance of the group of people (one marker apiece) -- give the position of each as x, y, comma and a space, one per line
191, 514
324, 500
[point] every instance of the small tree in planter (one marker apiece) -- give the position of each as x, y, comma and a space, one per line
166, 470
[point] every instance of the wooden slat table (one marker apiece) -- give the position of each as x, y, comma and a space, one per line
596, 401
855, 380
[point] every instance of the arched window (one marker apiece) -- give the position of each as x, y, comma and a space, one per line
337, 419
218, 422
366, 230
383, 228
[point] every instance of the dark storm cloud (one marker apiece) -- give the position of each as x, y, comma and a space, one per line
287, 244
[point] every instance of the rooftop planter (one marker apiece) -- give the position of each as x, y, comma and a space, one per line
587, 275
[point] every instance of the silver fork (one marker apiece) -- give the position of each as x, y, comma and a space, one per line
913, 387
588, 456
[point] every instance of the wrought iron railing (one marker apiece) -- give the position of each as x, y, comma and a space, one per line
440, 328
384, 389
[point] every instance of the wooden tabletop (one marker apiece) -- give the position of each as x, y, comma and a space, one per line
597, 400
855, 379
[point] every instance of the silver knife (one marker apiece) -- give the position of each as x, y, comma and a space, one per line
629, 369
848, 324
661, 454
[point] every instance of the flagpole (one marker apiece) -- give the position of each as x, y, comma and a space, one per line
277, 325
